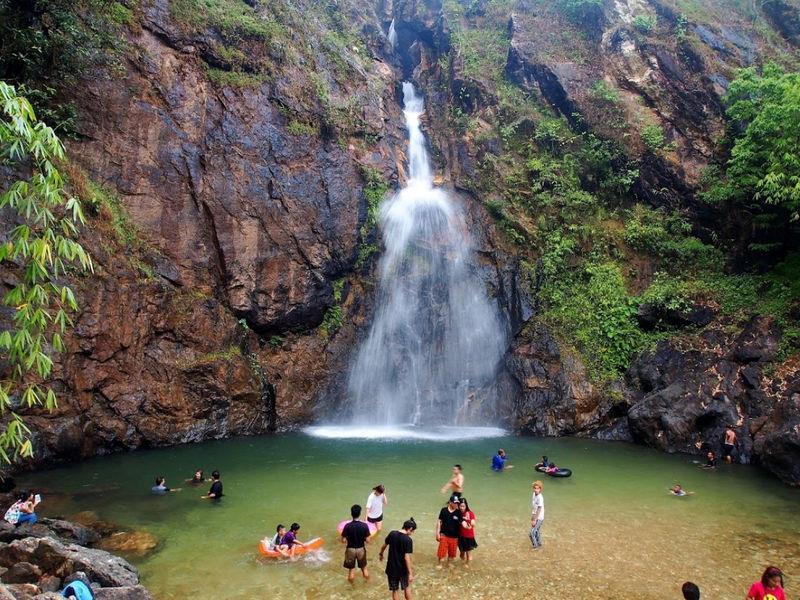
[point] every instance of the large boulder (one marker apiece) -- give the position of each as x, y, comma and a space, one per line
59, 559
135, 592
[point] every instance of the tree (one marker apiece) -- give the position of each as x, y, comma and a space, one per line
40, 247
764, 167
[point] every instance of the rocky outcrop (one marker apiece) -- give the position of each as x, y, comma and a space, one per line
38, 560
684, 398
554, 395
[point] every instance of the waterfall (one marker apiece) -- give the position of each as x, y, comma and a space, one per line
435, 341
392, 35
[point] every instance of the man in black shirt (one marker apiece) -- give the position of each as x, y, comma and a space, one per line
355, 534
399, 571
215, 493
447, 527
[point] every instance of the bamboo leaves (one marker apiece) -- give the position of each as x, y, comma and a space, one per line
40, 249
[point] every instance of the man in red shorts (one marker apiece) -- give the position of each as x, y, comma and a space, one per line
447, 527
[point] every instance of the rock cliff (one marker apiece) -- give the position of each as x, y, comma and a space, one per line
236, 173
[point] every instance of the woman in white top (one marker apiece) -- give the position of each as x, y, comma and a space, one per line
375, 502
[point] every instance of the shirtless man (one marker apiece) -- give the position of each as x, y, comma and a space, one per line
729, 444
456, 484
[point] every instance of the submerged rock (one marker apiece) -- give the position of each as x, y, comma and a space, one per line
137, 543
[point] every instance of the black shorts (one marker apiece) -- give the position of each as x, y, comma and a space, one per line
397, 583
467, 544
375, 520
727, 450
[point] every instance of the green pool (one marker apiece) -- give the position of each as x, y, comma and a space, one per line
611, 530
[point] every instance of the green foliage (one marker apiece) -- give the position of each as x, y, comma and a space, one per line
275, 342
604, 92
645, 23
106, 203
483, 51
653, 137
764, 167
235, 19
592, 308
234, 79
668, 236
40, 249
52, 42
230, 354
581, 11
681, 27
332, 320
301, 128
375, 191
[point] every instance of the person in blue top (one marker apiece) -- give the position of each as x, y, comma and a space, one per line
499, 461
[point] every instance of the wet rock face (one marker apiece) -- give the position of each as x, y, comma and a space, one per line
686, 397
554, 395
228, 196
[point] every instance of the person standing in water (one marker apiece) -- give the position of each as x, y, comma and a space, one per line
447, 527
215, 493
466, 533
537, 515
456, 484
160, 488
375, 502
399, 570
770, 587
355, 534
729, 444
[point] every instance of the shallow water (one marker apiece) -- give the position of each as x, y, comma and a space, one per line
611, 531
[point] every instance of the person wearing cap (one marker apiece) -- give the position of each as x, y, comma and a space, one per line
448, 526
399, 571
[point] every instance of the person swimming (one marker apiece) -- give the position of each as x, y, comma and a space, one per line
677, 490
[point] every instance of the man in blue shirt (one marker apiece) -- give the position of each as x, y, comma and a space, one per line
499, 461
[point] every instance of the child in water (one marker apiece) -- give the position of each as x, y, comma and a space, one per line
677, 490
289, 541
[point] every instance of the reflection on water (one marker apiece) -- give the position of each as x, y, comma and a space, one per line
611, 531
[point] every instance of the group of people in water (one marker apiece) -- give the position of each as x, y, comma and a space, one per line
455, 536
198, 479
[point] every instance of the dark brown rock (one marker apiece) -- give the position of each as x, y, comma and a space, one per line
22, 572
55, 558
136, 592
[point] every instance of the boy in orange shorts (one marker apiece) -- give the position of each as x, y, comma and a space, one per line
447, 528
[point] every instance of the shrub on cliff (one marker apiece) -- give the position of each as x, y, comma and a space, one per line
764, 166
39, 249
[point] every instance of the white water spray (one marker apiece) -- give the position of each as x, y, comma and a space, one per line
392, 35
435, 341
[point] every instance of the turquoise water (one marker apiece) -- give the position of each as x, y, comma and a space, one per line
611, 531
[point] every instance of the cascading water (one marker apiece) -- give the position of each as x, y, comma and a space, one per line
435, 342
392, 35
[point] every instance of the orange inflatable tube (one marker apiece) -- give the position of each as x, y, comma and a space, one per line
311, 545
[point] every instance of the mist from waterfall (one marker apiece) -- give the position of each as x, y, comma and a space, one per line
435, 342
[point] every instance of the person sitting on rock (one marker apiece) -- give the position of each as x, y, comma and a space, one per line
160, 488
215, 493
22, 511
